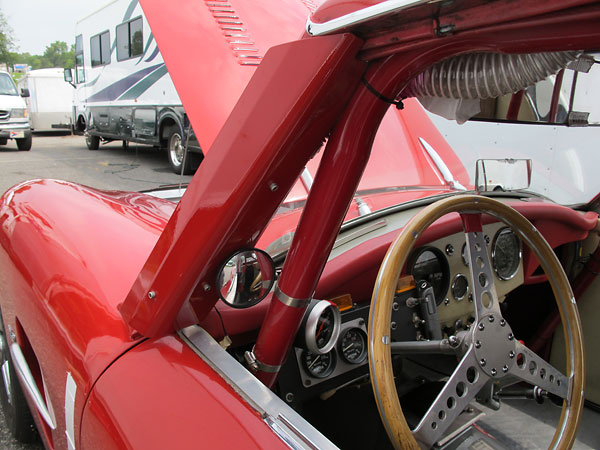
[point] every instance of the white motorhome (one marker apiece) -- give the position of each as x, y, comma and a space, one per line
50, 100
123, 90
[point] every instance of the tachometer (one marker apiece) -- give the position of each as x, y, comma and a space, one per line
321, 326
318, 365
506, 254
353, 346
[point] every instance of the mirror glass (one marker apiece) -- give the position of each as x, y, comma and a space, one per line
246, 278
502, 174
68, 75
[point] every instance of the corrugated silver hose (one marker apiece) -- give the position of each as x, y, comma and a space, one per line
485, 75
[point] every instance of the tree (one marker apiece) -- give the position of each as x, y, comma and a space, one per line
7, 43
58, 54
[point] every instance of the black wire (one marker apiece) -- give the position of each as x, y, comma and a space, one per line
222, 322
376, 93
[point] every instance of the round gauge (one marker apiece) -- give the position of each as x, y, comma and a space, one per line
318, 365
323, 326
460, 286
506, 254
353, 346
430, 264
464, 255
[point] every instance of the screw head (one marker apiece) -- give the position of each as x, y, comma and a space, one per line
482, 362
491, 319
477, 344
446, 302
151, 295
505, 368
511, 336
273, 187
481, 326
449, 250
502, 322
206, 287
493, 372
511, 354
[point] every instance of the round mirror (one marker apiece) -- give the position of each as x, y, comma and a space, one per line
246, 278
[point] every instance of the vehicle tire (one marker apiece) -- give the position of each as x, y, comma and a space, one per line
3, 141
25, 143
92, 142
17, 416
175, 153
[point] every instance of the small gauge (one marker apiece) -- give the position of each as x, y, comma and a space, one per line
353, 346
322, 326
318, 365
460, 286
506, 254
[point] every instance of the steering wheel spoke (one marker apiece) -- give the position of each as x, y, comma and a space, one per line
460, 389
536, 371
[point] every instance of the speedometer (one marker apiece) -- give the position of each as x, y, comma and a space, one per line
506, 254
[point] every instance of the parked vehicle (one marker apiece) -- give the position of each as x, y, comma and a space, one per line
281, 305
50, 99
14, 123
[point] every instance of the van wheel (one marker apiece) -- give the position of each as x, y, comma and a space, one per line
176, 152
3, 141
92, 142
25, 143
16, 412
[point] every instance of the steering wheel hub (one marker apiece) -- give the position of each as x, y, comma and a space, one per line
494, 344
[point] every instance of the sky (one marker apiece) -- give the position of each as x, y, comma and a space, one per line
38, 23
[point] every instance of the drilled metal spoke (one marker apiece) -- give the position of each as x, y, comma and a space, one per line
483, 287
459, 391
536, 371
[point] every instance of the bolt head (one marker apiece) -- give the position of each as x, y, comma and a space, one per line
273, 187
502, 322
511, 336
481, 326
151, 295
482, 362
491, 319
206, 287
511, 354
505, 368
446, 302
493, 372
477, 344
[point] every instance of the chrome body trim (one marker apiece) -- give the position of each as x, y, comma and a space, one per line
292, 428
24, 373
354, 234
361, 16
70, 394
291, 301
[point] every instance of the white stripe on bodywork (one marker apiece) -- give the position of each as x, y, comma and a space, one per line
70, 391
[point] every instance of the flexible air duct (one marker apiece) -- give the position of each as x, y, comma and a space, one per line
485, 75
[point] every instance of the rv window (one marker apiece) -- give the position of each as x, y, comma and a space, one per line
130, 39
79, 71
100, 49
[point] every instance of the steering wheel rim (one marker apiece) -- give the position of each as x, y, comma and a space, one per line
380, 362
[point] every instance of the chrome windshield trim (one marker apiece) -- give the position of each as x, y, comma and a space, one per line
26, 377
297, 432
362, 15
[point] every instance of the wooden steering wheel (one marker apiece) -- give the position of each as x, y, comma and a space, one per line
488, 351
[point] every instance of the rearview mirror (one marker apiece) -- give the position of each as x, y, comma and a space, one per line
68, 75
24, 92
246, 278
502, 174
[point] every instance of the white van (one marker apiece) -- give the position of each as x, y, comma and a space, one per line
14, 121
50, 101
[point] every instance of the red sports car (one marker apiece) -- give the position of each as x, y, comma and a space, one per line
321, 284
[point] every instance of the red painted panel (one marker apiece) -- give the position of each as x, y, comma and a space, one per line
161, 395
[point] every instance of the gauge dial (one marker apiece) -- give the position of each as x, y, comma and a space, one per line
430, 264
322, 327
460, 286
506, 254
353, 346
318, 365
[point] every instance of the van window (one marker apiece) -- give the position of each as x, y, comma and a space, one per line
79, 70
130, 39
100, 49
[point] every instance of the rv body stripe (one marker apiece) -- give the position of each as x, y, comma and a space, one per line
113, 91
148, 42
153, 55
145, 84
